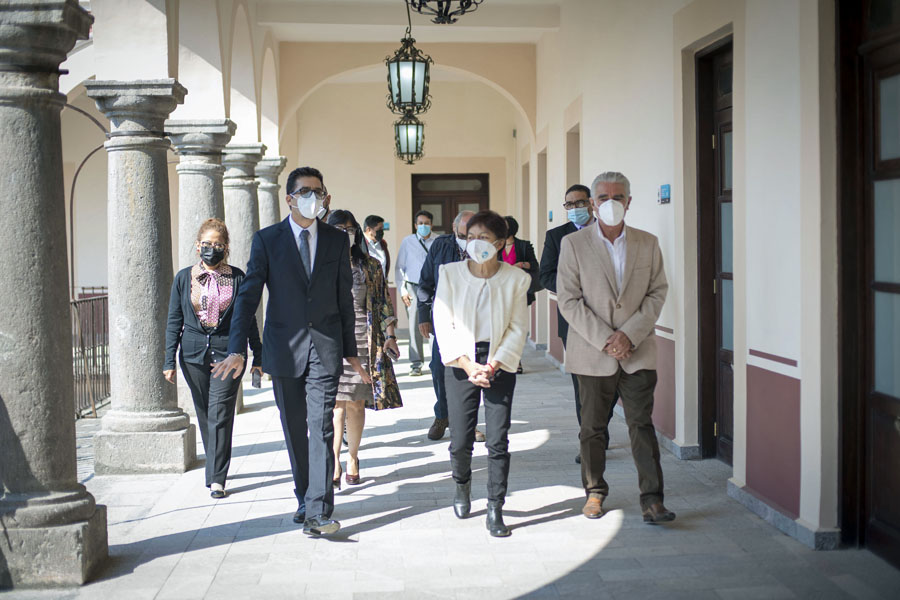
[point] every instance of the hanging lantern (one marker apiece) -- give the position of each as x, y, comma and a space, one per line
409, 138
408, 76
444, 11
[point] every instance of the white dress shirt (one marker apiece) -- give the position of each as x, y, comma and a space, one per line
313, 235
411, 257
617, 252
377, 252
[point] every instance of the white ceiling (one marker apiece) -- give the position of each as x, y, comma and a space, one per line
507, 21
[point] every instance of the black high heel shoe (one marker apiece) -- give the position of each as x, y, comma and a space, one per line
336, 482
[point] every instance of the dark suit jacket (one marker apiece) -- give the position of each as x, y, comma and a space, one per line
183, 327
549, 263
443, 251
301, 311
387, 258
525, 253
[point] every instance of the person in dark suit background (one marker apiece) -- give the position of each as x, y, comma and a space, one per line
373, 231
200, 310
309, 331
520, 253
577, 203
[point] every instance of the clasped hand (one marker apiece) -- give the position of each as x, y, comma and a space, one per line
619, 346
479, 374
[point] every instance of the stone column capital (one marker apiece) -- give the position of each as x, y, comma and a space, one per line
136, 108
269, 169
240, 160
200, 136
36, 36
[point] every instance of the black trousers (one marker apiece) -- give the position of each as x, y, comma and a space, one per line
463, 399
306, 404
214, 401
636, 390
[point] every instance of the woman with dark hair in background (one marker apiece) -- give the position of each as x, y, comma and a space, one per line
375, 341
200, 309
520, 253
481, 317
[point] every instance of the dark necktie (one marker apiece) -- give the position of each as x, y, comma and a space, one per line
304, 251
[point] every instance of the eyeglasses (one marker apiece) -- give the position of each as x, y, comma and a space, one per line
208, 245
576, 204
306, 191
347, 230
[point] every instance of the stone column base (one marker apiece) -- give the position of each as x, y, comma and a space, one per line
145, 452
53, 556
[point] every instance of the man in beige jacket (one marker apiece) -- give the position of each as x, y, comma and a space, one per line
611, 288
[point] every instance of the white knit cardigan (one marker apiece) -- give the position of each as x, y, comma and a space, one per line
454, 313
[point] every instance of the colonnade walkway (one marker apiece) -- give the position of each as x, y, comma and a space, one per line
400, 539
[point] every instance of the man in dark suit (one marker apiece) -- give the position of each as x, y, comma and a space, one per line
577, 203
309, 330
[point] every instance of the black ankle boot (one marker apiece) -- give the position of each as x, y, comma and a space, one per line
495, 522
461, 503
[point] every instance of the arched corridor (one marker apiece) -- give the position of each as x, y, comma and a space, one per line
401, 540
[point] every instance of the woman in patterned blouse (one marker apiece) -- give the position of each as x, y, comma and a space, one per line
375, 337
199, 322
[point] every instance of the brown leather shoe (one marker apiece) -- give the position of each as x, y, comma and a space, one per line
437, 429
593, 508
479, 436
657, 513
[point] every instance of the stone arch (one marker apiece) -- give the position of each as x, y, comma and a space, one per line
510, 69
242, 108
200, 61
268, 96
294, 107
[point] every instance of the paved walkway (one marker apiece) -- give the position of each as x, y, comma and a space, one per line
400, 539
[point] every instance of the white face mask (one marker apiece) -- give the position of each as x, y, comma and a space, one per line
351, 237
309, 207
461, 242
611, 212
481, 251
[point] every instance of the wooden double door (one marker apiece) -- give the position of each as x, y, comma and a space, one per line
446, 195
868, 36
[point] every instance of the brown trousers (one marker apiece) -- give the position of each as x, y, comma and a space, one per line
597, 397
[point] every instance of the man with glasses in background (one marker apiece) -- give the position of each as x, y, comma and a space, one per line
577, 203
310, 328
410, 258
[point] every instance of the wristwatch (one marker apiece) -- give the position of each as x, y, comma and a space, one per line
390, 337
237, 354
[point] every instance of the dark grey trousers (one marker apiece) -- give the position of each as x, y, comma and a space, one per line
307, 403
214, 401
463, 399
597, 395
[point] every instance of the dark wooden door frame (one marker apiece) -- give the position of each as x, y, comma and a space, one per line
856, 168
707, 267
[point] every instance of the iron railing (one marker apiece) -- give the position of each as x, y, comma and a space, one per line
90, 353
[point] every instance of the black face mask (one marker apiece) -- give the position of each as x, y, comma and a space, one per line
211, 256
379, 235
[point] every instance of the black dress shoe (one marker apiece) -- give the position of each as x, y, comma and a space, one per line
321, 525
578, 459
494, 522
462, 503
300, 515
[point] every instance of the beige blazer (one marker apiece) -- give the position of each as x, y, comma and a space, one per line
595, 309
454, 313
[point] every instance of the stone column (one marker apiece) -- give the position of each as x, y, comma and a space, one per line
242, 209
51, 530
144, 431
200, 197
267, 172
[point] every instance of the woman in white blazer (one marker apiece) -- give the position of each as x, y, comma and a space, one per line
480, 320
